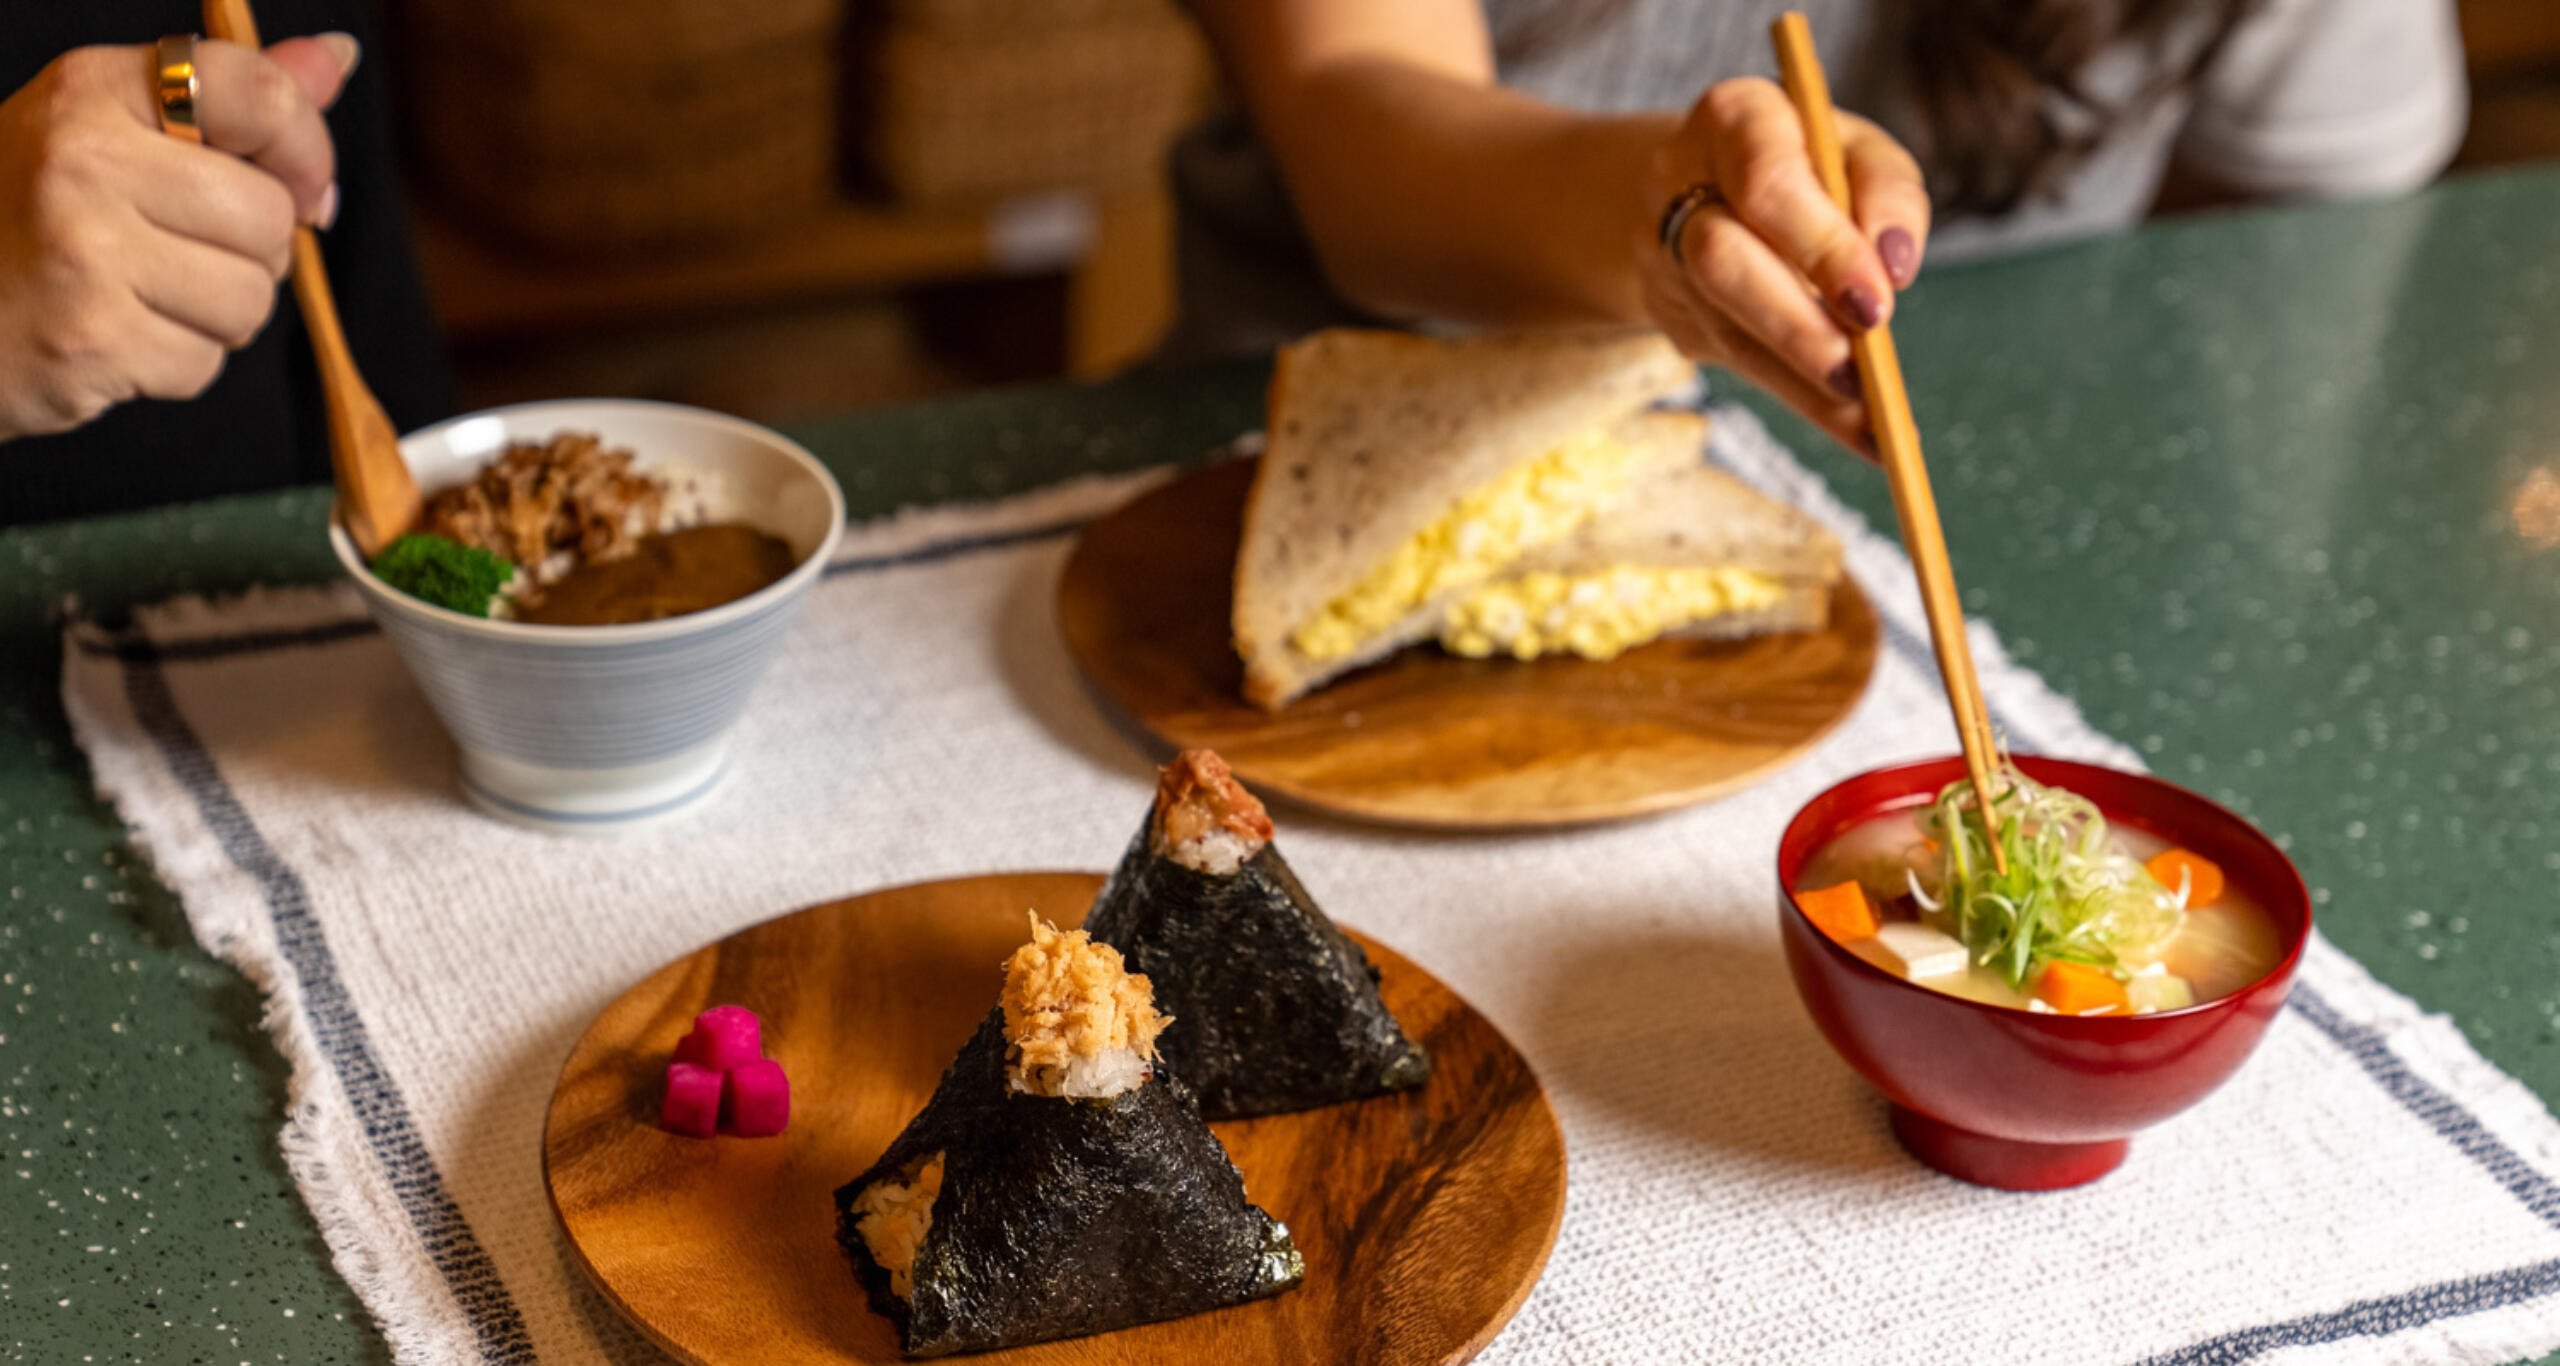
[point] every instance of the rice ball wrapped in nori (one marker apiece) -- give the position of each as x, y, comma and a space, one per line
1057, 1183
1274, 1009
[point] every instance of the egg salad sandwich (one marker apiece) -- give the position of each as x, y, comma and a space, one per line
1696, 553
1404, 472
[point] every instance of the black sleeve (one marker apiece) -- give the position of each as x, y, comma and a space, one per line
261, 425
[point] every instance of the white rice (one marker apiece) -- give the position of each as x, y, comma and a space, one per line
1111, 1072
1219, 853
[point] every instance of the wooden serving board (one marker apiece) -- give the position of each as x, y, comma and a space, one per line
1424, 1217
1427, 738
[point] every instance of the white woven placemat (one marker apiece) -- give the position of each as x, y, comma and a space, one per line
2368, 1189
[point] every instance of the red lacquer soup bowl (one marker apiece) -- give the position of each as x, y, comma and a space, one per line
2010, 1098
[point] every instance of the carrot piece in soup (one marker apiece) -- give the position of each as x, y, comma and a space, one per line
1842, 911
2079, 989
2203, 879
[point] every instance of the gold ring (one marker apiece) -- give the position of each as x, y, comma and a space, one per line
178, 87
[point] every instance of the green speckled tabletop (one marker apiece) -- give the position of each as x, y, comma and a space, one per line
2275, 496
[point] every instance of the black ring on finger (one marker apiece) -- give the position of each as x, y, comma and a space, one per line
1676, 216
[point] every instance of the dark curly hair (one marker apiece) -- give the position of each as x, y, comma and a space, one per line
2003, 113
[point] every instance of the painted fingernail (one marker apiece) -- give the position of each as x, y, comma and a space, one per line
1843, 379
1862, 306
345, 48
1901, 255
328, 216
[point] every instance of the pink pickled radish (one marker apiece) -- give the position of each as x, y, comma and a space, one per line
692, 1107
724, 1039
759, 1100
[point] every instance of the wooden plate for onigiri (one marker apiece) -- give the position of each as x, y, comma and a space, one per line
1424, 1217
1426, 738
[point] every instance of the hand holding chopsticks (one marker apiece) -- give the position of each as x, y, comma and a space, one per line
1898, 443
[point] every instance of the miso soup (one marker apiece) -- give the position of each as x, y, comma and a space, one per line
2217, 939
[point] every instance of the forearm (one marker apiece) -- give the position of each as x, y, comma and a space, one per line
1430, 194
1432, 191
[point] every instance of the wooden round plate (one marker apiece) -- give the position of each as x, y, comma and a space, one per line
1424, 1217
1427, 738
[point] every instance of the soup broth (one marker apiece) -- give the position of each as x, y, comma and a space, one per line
2216, 949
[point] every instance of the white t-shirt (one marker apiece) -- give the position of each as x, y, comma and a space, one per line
2308, 98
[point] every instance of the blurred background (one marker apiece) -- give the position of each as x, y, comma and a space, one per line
805, 206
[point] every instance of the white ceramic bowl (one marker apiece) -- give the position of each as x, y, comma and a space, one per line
599, 729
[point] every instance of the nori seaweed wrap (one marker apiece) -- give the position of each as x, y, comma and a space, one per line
1050, 1195
1274, 1009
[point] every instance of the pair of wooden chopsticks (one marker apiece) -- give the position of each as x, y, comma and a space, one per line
1898, 442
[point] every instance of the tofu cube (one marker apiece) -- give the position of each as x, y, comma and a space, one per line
1919, 951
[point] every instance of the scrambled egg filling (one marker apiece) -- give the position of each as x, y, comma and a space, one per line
1472, 541
1597, 616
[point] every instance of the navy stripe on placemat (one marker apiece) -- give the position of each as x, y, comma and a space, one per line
132, 647
2374, 1318
954, 549
335, 1026
2440, 1112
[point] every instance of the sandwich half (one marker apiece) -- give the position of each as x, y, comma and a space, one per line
1404, 471
1695, 553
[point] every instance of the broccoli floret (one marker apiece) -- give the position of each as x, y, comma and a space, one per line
446, 573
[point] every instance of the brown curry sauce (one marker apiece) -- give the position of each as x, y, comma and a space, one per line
667, 574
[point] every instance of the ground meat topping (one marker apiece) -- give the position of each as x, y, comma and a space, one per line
568, 500
1068, 998
1204, 818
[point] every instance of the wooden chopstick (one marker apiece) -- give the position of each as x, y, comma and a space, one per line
378, 497
1898, 442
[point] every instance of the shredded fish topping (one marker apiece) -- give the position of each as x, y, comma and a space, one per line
1067, 998
1204, 817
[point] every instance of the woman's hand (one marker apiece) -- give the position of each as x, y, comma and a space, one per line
132, 263
1735, 293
